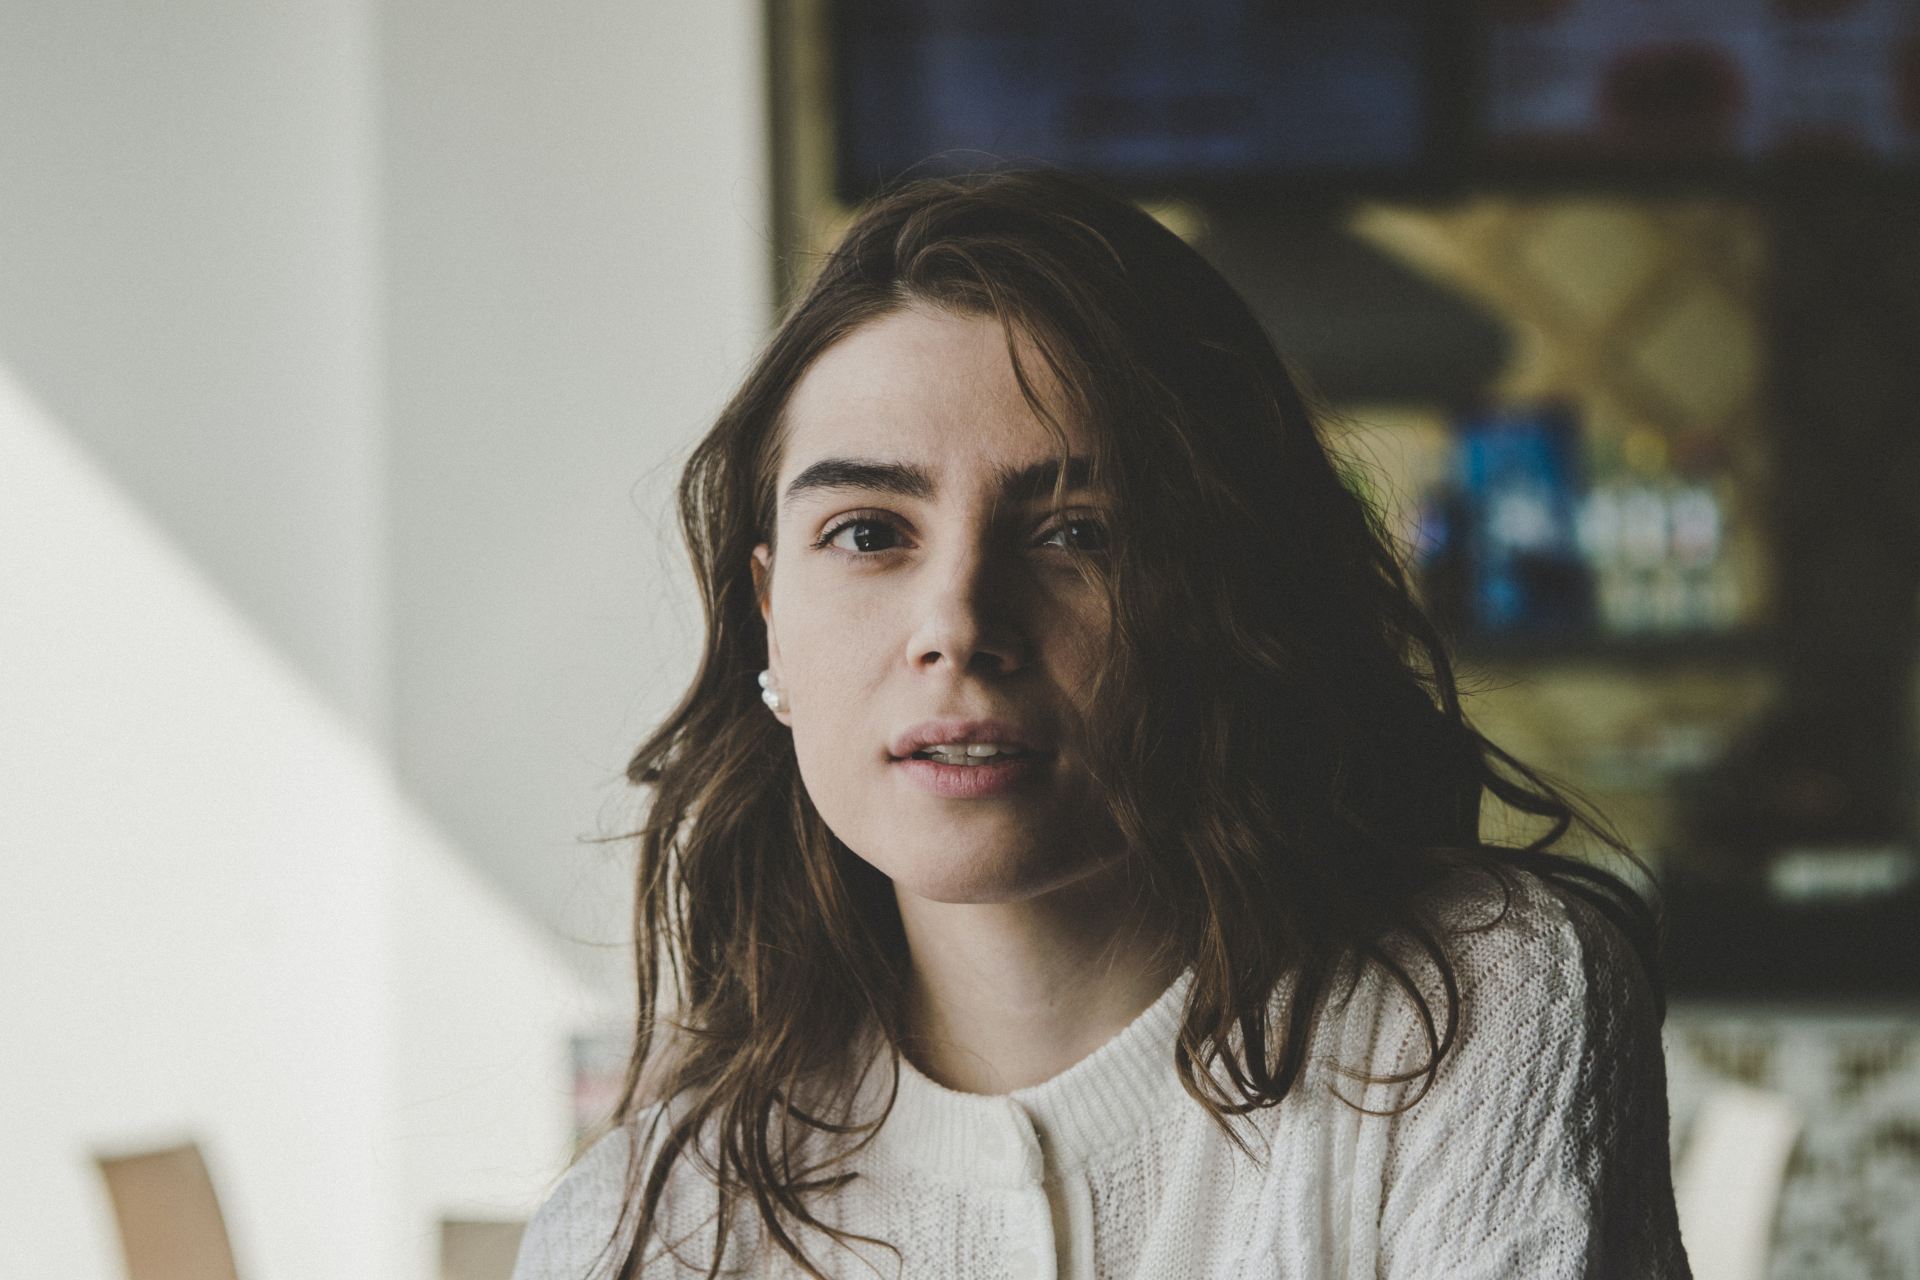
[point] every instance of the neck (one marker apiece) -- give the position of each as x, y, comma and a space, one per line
1008, 995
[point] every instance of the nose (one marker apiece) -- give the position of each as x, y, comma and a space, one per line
968, 617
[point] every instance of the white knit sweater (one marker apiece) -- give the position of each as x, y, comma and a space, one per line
1540, 1152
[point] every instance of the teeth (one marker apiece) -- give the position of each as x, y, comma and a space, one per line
967, 752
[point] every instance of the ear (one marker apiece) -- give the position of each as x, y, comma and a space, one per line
762, 567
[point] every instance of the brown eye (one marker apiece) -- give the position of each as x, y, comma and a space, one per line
867, 530
1083, 534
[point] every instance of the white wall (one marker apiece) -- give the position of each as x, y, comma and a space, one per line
222, 922
347, 351
577, 269
187, 281
398, 316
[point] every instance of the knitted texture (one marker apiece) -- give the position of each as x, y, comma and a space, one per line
1540, 1151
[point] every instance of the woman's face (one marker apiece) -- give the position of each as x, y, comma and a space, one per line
918, 579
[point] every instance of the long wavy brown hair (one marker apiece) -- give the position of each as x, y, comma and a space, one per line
1276, 730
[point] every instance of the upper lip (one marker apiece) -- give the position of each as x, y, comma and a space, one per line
930, 733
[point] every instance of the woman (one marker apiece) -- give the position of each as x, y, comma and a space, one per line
1068, 857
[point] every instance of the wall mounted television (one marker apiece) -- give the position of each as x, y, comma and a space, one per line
1145, 93
1376, 97
1724, 88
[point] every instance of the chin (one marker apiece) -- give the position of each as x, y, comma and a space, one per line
978, 881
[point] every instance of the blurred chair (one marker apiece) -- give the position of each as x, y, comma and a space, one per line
478, 1250
1727, 1180
169, 1216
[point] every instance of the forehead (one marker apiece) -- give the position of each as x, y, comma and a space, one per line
927, 387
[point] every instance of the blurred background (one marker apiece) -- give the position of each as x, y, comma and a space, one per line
348, 354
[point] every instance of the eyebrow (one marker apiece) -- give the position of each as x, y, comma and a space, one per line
1019, 484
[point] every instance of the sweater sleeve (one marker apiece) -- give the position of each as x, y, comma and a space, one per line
1542, 1149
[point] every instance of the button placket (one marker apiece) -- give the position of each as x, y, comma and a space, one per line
1033, 1256
1028, 1263
1031, 1248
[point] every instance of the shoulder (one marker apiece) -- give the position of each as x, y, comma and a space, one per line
1545, 1120
571, 1235
1523, 941
1536, 967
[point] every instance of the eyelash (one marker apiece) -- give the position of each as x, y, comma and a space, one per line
823, 543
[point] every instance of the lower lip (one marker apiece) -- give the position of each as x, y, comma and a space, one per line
969, 781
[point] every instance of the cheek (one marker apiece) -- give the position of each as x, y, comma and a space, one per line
832, 665
832, 661
839, 738
844, 780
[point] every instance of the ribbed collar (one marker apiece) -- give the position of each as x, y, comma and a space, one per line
1108, 1099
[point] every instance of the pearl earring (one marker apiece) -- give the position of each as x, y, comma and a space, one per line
775, 700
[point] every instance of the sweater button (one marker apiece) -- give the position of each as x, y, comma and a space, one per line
1024, 1264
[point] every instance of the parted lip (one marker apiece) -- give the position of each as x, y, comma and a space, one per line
933, 732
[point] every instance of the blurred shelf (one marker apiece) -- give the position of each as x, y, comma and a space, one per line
1732, 942
1652, 650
